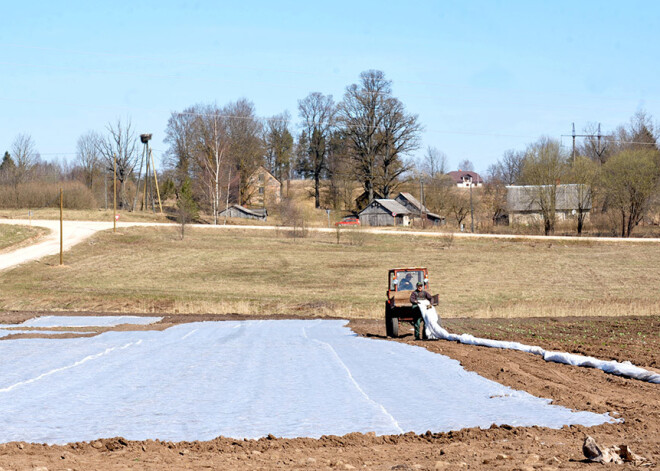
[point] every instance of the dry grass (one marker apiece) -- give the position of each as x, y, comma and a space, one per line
15, 235
250, 272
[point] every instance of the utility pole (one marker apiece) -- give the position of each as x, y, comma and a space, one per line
471, 209
573, 142
114, 194
61, 226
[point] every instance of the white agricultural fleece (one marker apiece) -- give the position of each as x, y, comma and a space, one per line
626, 369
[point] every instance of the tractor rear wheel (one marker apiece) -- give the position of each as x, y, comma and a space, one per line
393, 327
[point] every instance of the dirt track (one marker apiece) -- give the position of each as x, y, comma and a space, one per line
504, 447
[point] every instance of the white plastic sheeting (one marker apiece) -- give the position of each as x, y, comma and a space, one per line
291, 378
86, 321
627, 369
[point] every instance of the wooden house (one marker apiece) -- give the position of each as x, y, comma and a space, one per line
384, 212
417, 209
263, 188
362, 201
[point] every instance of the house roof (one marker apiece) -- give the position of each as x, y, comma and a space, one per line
526, 198
262, 168
418, 206
392, 206
458, 176
257, 212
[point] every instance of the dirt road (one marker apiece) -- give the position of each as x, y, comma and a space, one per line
636, 402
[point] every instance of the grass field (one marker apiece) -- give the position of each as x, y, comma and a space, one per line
215, 271
14, 235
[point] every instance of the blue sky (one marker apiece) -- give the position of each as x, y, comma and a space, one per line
484, 77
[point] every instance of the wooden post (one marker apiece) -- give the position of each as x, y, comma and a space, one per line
160, 205
61, 224
114, 194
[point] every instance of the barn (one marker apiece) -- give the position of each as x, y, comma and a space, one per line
384, 212
238, 211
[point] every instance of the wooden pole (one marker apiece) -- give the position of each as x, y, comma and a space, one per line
61, 224
114, 194
160, 205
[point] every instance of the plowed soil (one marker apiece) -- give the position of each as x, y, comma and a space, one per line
624, 338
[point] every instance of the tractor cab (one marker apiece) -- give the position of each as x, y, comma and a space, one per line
400, 284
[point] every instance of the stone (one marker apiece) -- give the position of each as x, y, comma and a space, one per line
531, 459
598, 454
97, 444
502, 456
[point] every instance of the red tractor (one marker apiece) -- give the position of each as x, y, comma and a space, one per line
401, 282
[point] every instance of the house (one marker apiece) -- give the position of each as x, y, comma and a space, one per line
384, 212
362, 201
263, 188
238, 211
417, 209
523, 202
466, 179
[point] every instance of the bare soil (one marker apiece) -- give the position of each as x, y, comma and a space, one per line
504, 447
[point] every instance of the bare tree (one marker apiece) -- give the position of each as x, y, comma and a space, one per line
583, 172
180, 135
508, 170
211, 146
400, 136
88, 156
246, 147
631, 177
24, 154
466, 165
435, 162
120, 142
544, 167
361, 114
317, 113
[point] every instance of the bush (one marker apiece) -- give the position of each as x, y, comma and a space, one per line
46, 195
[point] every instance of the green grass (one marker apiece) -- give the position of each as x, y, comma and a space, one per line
249, 272
13, 235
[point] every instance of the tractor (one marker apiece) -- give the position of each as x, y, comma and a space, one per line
400, 284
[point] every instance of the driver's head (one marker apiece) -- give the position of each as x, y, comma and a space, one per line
420, 285
408, 276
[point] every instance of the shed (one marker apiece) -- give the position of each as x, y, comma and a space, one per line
238, 211
417, 209
384, 212
524, 202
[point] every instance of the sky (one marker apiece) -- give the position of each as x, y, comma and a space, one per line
483, 76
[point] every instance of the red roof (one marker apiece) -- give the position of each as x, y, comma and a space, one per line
460, 176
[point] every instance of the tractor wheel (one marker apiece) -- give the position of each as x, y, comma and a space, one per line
393, 327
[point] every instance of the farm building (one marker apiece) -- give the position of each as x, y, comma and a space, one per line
417, 209
465, 179
384, 212
263, 188
524, 202
238, 211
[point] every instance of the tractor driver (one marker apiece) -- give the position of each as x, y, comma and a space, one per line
406, 283
415, 297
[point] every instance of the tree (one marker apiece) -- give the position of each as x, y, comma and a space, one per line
379, 130
508, 170
400, 136
435, 162
246, 148
361, 115
544, 167
340, 172
120, 142
25, 156
187, 209
279, 147
466, 165
584, 172
211, 143
630, 178
88, 156
458, 203
179, 134
317, 113
7, 168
